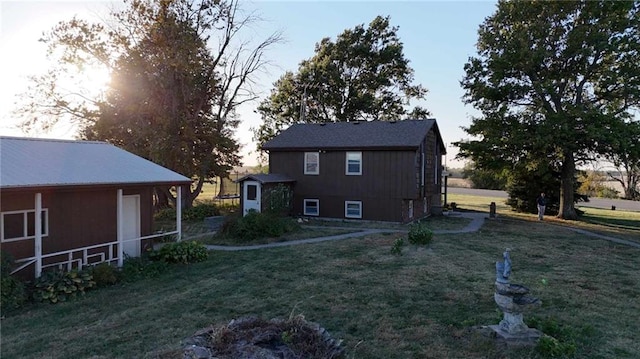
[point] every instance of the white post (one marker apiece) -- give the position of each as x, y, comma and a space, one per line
179, 213
38, 235
120, 232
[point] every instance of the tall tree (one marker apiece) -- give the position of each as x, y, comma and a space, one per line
362, 75
551, 79
179, 70
623, 151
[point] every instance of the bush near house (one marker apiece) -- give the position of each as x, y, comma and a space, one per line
12, 290
257, 225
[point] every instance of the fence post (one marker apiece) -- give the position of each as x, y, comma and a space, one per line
120, 229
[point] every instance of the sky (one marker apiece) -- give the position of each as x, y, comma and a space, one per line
438, 38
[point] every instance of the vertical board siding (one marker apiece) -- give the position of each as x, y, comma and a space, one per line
77, 218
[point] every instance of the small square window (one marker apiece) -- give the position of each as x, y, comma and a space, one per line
353, 163
311, 207
311, 163
353, 209
19, 225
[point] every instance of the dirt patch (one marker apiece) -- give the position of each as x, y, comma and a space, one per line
252, 337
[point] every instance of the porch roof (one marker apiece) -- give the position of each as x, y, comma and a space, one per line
35, 163
266, 178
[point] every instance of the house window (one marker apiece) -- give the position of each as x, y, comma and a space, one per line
311, 207
311, 163
252, 192
354, 163
353, 209
20, 225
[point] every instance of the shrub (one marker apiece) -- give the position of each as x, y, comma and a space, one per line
104, 275
181, 252
397, 246
258, 225
420, 234
196, 213
12, 290
135, 268
58, 286
558, 341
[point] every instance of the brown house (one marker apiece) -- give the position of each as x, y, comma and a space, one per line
381, 171
95, 202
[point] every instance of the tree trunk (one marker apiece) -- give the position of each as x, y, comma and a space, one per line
162, 197
567, 176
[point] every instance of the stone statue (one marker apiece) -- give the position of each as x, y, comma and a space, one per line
512, 300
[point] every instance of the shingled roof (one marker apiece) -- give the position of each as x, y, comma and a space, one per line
405, 134
34, 162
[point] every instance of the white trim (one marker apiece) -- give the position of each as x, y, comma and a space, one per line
179, 213
304, 206
37, 243
25, 225
346, 163
119, 230
346, 209
307, 162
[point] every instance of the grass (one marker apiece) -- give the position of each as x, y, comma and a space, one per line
424, 304
302, 233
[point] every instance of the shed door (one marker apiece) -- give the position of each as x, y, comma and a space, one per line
251, 196
131, 225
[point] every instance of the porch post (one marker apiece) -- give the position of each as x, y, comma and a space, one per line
38, 235
179, 213
119, 231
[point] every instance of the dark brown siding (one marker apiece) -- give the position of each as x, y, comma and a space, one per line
76, 218
388, 178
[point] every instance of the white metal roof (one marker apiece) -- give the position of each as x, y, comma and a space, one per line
35, 162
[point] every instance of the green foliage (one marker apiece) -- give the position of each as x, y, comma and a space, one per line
398, 244
104, 274
58, 286
258, 225
12, 290
173, 91
420, 234
362, 75
196, 213
558, 341
278, 199
485, 178
184, 252
136, 268
533, 58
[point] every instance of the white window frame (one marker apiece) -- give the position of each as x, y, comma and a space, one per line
304, 205
45, 225
307, 156
346, 209
346, 169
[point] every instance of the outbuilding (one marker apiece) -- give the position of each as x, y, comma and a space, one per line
71, 204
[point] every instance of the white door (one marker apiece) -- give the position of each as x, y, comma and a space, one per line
251, 197
131, 225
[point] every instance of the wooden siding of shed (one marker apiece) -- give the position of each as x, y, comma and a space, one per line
77, 218
388, 178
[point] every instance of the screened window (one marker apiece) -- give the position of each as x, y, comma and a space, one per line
311, 163
19, 225
311, 207
353, 209
354, 163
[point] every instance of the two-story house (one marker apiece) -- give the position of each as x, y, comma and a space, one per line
381, 171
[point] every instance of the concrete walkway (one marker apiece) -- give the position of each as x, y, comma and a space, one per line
477, 220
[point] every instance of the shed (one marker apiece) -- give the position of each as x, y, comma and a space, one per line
70, 204
262, 191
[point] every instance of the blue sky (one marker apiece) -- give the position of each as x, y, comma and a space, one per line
438, 37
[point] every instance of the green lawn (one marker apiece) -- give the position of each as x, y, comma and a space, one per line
423, 304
